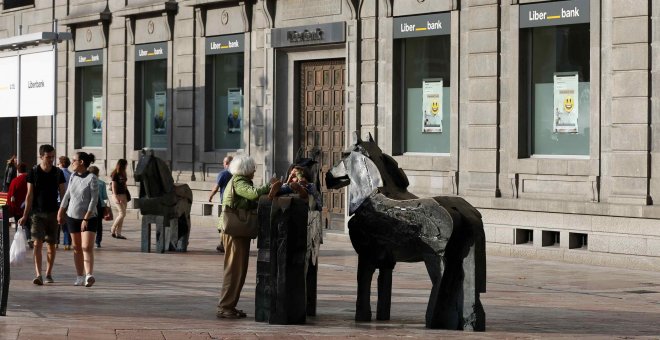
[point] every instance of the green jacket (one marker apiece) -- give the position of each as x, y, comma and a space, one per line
246, 195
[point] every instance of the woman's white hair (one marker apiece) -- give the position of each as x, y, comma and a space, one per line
242, 166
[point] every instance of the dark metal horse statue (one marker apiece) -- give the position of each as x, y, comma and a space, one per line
389, 224
160, 196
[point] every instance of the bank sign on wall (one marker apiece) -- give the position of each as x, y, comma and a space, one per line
36, 88
554, 13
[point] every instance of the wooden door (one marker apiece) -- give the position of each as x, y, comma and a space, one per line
322, 125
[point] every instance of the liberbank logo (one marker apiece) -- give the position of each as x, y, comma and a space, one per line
89, 59
151, 53
35, 84
554, 13
229, 44
422, 25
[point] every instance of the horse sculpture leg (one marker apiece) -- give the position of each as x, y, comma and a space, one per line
434, 310
365, 272
384, 293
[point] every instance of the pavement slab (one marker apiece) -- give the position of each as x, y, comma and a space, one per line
173, 296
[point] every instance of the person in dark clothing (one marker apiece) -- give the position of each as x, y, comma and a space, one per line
10, 173
45, 185
221, 181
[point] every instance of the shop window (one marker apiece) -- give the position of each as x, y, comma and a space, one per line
9, 4
554, 90
226, 101
151, 104
89, 106
422, 94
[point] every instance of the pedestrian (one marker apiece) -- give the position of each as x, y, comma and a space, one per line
220, 184
101, 206
44, 183
243, 196
16, 199
10, 173
79, 203
64, 163
120, 194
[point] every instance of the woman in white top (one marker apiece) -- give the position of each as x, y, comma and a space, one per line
79, 202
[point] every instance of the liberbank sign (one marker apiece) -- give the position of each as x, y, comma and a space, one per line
554, 13
422, 25
33, 95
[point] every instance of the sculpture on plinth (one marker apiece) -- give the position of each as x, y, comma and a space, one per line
390, 224
164, 203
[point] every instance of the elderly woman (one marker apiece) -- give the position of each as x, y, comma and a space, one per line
237, 249
79, 203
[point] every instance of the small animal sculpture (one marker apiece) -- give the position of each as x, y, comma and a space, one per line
390, 224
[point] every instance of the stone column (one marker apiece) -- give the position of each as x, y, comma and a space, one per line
183, 133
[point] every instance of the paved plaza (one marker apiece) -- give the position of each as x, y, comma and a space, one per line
173, 296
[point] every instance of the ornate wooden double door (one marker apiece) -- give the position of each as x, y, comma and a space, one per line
322, 126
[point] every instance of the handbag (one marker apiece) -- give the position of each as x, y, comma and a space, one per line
17, 252
239, 222
128, 195
107, 214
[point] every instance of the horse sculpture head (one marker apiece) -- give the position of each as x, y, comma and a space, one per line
153, 174
367, 169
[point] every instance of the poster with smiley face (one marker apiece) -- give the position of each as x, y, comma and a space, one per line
432, 105
566, 107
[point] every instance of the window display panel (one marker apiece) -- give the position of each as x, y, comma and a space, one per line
90, 104
153, 83
228, 116
556, 65
426, 93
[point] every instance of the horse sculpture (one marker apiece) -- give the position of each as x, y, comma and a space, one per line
390, 224
161, 197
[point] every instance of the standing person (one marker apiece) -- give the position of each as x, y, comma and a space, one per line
220, 184
64, 163
101, 206
16, 198
10, 173
44, 183
243, 196
79, 202
120, 194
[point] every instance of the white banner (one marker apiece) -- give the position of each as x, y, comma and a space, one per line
566, 106
160, 113
234, 109
97, 113
37, 83
9, 86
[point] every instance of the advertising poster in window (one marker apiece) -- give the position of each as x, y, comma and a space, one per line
432, 105
566, 107
160, 118
97, 113
234, 109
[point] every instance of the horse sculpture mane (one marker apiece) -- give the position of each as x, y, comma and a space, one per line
390, 224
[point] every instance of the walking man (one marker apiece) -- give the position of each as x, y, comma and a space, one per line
220, 184
45, 185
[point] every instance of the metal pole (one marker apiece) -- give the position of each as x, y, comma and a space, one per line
18, 113
54, 120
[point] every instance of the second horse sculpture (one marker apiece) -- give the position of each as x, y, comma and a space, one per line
390, 224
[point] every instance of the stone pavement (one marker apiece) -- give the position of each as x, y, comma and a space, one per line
173, 296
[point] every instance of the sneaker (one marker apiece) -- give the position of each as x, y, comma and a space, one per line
38, 280
114, 235
49, 279
89, 280
98, 245
121, 237
80, 280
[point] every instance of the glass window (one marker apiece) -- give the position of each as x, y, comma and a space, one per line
227, 103
9, 4
89, 106
151, 86
555, 90
424, 89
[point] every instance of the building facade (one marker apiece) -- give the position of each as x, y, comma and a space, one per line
539, 113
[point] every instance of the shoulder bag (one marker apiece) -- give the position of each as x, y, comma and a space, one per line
239, 222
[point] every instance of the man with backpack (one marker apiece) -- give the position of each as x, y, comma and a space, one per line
45, 185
